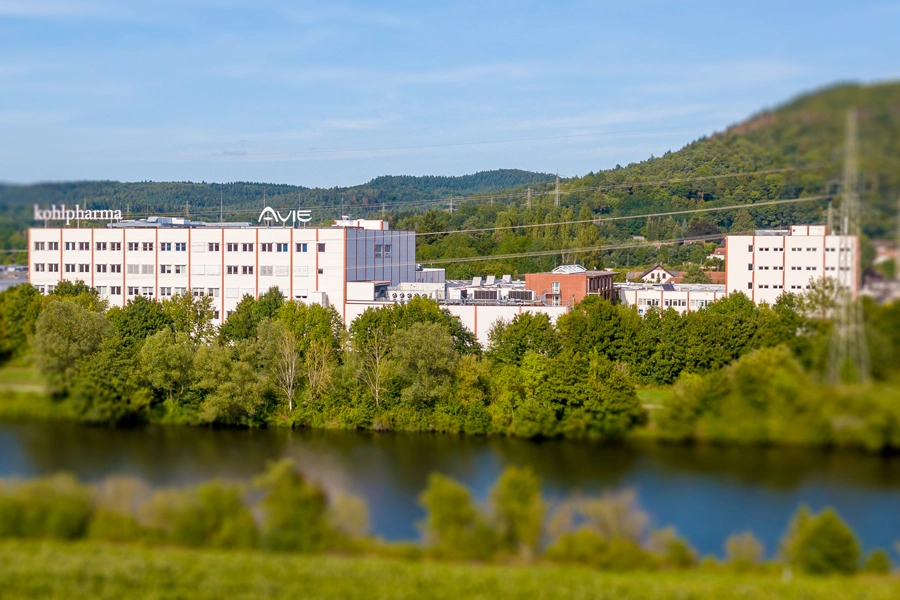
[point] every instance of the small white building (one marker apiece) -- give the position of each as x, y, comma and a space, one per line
681, 297
657, 274
774, 262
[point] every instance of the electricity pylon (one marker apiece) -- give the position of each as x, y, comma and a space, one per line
849, 349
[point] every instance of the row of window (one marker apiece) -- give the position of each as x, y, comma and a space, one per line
795, 249
196, 247
265, 271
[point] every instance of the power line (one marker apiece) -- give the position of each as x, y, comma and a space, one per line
601, 220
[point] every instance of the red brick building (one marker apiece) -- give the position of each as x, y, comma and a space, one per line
568, 284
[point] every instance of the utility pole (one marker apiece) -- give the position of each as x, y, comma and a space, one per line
848, 340
557, 188
527, 198
451, 205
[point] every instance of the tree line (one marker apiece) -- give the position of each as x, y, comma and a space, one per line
283, 511
740, 372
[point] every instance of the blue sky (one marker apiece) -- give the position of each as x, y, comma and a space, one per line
330, 93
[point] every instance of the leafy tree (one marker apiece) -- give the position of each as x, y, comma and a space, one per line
694, 274
64, 333
20, 306
140, 318
249, 313
425, 359
527, 332
295, 512
166, 361
231, 389
81, 294
282, 351
744, 551
878, 562
518, 510
454, 528
191, 315
821, 544
597, 324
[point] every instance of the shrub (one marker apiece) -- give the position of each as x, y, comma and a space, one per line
295, 513
53, 507
821, 544
878, 562
744, 551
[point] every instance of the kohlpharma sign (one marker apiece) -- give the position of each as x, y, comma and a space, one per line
62, 213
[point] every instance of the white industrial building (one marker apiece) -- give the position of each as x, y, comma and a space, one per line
681, 297
774, 262
162, 257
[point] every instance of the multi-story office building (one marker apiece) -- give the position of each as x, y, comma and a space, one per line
680, 297
774, 262
161, 257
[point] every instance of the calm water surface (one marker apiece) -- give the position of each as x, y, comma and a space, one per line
706, 493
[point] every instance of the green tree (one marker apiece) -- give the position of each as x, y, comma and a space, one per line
81, 294
744, 551
425, 359
821, 544
140, 318
20, 306
191, 315
64, 333
518, 510
166, 361
527, 332
454, 528
295, 512
878, 562
694, 274
107, 388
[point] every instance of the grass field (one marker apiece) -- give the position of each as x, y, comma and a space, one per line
92, 570
23, 395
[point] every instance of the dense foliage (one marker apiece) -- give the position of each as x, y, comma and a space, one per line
282, 511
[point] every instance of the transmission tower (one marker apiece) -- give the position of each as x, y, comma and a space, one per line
848, 342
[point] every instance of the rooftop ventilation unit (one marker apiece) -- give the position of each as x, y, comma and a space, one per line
476, 281
567, 269
490, 280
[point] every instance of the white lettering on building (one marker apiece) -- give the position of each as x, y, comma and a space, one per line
269, 215
62, 213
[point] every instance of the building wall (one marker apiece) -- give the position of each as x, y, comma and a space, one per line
224, 263
766, 266
679, 300
572, 287
480, 318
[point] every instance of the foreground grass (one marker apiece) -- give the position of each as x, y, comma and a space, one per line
32, 569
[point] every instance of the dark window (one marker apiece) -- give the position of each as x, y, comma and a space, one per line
320, 247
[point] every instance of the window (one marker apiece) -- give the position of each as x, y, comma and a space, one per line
762, 268
197, 292
165, 246
165, 269
198, 269
555, 287
301, 271
247, 247
247, 270
132, 290
212, 270
40, 246
796, 268
69, 245
147, 247
281, 247
778, 268
115, 290
749, 285
40, 288
70, 267
301, 247
83, 268
146, 269
750, 267
301, 293
231, 247
179, 291
231, 270
39, 267
180, 246
179, 269
320, 247
50, 289
115, 268
810, 268
378, 251
265, 271
116, 246
165, 292
387, 250
321, 271
52, 245
779, 249
247, 292
282, 270
212, 292
232, 293
147, 291
101, 246
53, 267
212, 246
198, 247
266, 247
133, 269
132, 246
750, 248
101, 289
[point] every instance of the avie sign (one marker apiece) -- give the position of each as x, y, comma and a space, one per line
269, 215
79, 214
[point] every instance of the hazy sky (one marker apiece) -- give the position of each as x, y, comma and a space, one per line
329, 93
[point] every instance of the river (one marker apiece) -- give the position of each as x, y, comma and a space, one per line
707, 493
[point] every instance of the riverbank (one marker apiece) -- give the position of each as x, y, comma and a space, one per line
96, 570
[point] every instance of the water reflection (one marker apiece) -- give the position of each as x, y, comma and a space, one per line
706, 492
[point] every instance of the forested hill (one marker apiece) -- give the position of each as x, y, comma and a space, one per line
792, 151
